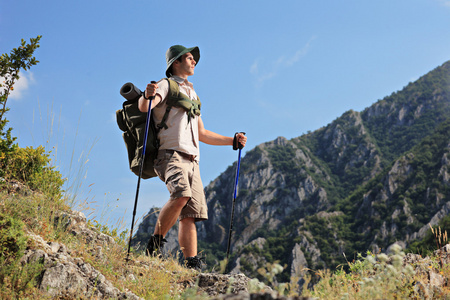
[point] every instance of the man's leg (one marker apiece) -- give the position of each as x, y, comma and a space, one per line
166, 219
169, 215
187, 237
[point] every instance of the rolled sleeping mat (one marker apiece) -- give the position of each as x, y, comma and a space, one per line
130, 92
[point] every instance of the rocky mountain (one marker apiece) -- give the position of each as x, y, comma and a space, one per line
363, 182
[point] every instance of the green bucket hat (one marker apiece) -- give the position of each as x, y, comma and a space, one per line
176, 51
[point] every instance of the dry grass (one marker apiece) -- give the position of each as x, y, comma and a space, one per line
383, 277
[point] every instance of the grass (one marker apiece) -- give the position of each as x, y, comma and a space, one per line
374, 276
379, 276
370, 277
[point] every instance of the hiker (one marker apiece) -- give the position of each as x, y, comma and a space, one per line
177, 162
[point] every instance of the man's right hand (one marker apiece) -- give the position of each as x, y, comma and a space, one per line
150, 90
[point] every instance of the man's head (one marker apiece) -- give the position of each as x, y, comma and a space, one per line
176, 52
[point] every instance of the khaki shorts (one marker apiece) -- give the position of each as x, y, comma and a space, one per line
181, 175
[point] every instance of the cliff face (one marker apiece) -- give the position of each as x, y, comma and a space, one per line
363, 182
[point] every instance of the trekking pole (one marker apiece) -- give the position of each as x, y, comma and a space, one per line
234, 201
141, 167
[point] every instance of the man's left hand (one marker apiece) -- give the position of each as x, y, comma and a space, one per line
239, 140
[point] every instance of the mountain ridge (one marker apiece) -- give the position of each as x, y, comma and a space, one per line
353, 185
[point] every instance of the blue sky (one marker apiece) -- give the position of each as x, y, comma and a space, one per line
269, 68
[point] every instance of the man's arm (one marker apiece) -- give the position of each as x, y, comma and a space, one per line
212, 138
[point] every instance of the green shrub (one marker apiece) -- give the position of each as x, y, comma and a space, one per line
32, 166
16, 280
12, 238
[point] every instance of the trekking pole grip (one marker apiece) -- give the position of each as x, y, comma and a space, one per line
149, 98
236, 144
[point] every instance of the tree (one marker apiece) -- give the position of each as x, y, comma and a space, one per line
10, 65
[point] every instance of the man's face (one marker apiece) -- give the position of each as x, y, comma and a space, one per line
186, 66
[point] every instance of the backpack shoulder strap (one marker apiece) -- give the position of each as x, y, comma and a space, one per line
174, 89
178, 99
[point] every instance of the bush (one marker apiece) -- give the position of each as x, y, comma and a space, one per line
16, 280
371, 277
32, 165
12, 238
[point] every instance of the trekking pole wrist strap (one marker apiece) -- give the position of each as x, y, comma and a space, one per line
143, 95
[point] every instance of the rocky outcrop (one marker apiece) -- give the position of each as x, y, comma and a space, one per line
432, 280
299, 265
65, 275
70, 277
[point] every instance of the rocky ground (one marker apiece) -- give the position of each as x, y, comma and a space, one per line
67, 276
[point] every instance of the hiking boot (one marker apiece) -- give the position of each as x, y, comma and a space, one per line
155, 246
195, 263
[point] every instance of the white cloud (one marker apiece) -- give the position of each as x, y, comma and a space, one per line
299, 54
262, 76
445, 3
270, 69
21, 85
254, 68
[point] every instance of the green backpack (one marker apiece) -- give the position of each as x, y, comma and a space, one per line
132, 122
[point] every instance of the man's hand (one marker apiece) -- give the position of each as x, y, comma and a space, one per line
239, 140
150, 90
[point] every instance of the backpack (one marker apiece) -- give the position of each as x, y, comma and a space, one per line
132, 122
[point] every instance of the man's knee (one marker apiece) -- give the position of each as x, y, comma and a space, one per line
188, 221
180, 202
